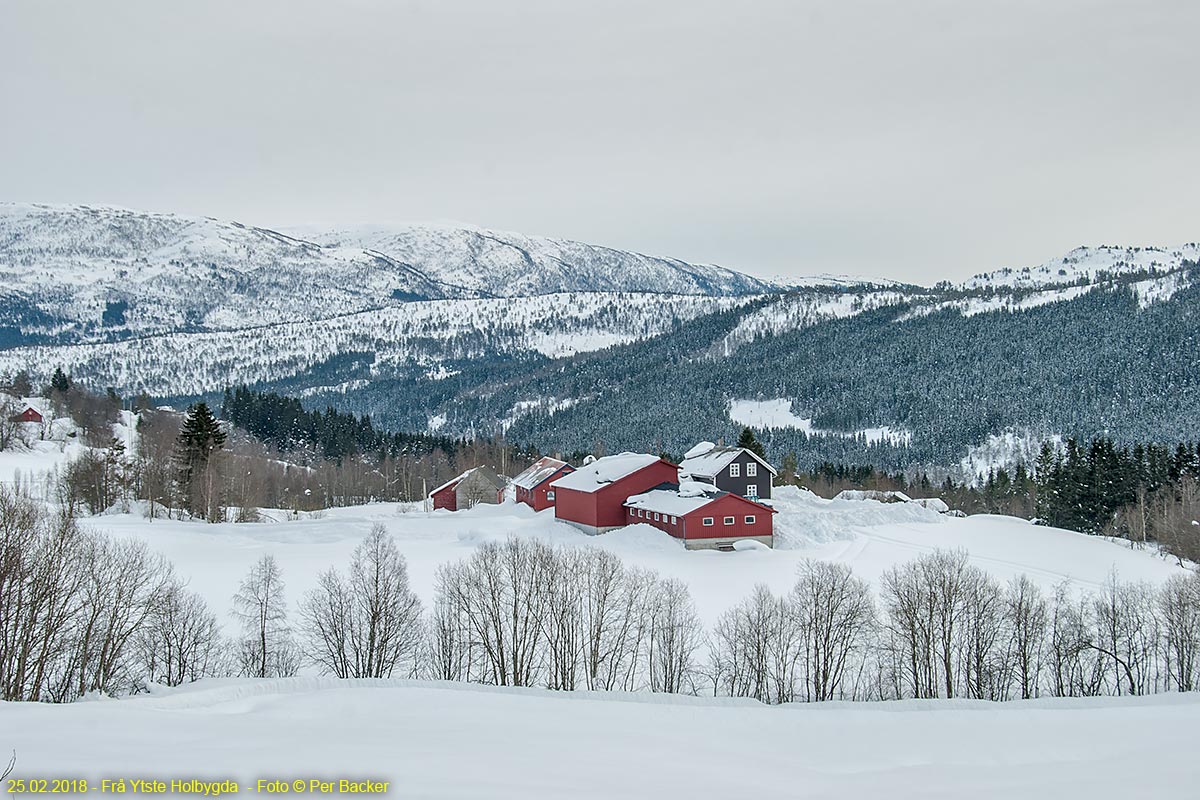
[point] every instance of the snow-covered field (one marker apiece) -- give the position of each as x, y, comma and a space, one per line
461, 741
868, 535
465, 741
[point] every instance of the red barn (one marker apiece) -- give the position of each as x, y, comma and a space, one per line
30, 414
533, 485
704, 517
592, 497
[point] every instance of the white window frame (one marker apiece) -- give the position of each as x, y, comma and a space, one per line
549, 494
752, 470
730, 520
673, 520
749, 519
752, 490
735, 470
656, 516
707, 522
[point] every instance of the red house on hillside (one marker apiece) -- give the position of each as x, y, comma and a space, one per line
592, 497
30, 414
533, 485
704, 517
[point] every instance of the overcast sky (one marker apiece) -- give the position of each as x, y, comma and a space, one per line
913, 140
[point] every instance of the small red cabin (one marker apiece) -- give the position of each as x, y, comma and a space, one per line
30, 414
704, 518
533, 485
592, 497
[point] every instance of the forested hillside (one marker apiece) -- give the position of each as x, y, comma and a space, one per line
1100, 364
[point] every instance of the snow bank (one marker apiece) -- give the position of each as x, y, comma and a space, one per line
457, 741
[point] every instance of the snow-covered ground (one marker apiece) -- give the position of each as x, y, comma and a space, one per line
434, 740
462, 741
868, 535
779, 414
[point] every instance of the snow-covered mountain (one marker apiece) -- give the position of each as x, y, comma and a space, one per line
81, 273
501, 264
417, 325
1089, 265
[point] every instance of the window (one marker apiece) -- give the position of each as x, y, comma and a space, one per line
751, 470
735, 470
673, 520
729, 520
752, 490
549, 494
749, 519
707, 522
656, 516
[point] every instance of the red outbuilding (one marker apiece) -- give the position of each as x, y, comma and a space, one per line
473, 487
533, 485
592, 497
704, 517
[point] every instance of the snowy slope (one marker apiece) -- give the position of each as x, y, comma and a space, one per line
506, 264
869, 536
1089, 264
63, 267
421, 334
72, 263
434, 740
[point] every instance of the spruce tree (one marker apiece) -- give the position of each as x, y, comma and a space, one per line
747, 441
200, 438
60, 382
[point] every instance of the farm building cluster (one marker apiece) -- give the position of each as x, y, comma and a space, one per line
714, 498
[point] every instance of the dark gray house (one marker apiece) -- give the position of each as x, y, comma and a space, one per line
731, 469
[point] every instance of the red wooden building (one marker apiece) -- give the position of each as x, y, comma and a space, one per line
30, 414
533, 485
704, 517
592, 497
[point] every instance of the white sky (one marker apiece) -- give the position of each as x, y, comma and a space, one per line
916, 140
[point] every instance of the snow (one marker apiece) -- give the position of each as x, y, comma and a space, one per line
1006, 449
419, 334
537, 472
436, 740
869, 536
1090, 264
592, 477
531, 743
778, 413
699, 450
671, 503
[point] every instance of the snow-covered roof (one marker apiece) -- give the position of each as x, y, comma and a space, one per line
541, 469
680, 499
450, 483
491, 476
699, 449
603, 471
707, 459
669, 501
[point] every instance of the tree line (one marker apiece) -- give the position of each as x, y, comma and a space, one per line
285, 424
83, 613
195, 465
1146, 493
